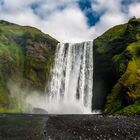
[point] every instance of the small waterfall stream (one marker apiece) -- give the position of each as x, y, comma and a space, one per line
70, 86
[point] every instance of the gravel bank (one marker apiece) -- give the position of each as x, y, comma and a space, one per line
93, 127
69, 127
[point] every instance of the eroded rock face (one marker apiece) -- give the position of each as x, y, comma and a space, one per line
105, 47
26, 55
116, 66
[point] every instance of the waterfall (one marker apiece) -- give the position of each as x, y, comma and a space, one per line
70, 86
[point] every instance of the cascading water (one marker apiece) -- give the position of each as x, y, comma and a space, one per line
70, 87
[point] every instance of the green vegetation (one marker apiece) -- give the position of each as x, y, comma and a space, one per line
121, 48
26, 56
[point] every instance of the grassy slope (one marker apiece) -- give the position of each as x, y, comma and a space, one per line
26, 55
121, 45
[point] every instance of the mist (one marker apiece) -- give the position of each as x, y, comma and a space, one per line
35, 102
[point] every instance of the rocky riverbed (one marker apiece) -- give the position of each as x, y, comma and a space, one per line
69, 127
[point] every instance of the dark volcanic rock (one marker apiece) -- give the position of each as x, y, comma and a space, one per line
39, 111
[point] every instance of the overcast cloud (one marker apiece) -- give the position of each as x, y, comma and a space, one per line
65, 20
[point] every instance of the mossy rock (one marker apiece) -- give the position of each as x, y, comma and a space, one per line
119, 65
26, 56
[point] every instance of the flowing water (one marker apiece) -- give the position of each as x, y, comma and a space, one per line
70, 87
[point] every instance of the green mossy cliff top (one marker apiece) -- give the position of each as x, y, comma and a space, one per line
118, 52
26, 55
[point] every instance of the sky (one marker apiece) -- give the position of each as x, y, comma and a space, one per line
70, 20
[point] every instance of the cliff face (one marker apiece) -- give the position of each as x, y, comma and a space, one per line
26, 55
117, 69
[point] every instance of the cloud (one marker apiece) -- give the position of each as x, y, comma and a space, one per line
65, 20
107, 21
104, 5
113, 13
134, 10
69, 24
61, 19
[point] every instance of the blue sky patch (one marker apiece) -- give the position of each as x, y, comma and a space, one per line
1, 2
92, 17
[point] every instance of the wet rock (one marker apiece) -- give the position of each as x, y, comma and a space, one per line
39, 111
